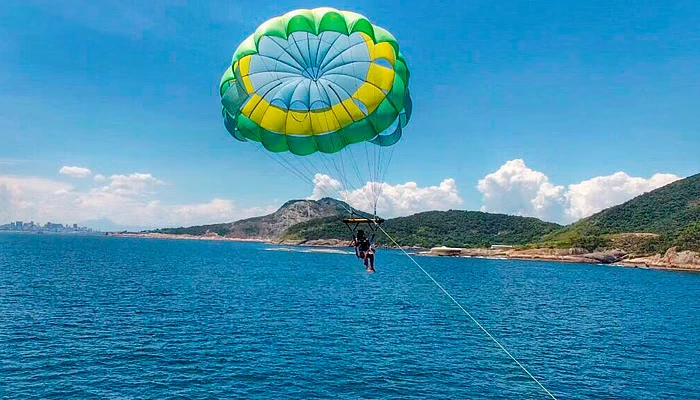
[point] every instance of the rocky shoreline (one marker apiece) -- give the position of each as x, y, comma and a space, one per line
672, 260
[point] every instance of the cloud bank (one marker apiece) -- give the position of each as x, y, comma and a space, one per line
132, 199
517, 189
125, 199
393, 200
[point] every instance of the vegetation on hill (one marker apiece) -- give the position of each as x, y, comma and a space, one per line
650, 223
199, 230
322, 228
433, 228
671, 213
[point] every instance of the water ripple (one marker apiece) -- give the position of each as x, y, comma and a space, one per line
96, 317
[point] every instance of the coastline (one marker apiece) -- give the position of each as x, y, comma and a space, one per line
672, 260
214, 237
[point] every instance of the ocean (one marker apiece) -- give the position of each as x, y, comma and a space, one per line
93, 317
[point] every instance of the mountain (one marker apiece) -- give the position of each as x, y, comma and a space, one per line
269, 227
652, 222
432, 228
305, 220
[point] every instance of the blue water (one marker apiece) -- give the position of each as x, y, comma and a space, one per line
108, 318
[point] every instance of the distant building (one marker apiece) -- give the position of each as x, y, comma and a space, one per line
48, 227
501, 246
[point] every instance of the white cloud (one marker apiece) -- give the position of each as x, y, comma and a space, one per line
30, 198
75, 172
100, 178
393, 200
592, 195
125, 199
217, 210
516, 189
325, 186
132, 184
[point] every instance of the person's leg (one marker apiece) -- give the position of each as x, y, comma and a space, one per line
371, 260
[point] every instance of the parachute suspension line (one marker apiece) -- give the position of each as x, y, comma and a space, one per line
381, 172
355, 169
308, 167
361, 179
361, 184
467, 313
340, 173
299, 174
313, 169
345, 182
375, 166
289, 167
371, 180
376, 181
323, 161
388, 163
358, 174
343, 191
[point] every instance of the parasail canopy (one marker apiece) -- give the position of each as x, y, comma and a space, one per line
318, 81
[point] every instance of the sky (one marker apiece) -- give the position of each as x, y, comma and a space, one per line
110, 110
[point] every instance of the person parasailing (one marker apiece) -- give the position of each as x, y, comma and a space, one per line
364, 249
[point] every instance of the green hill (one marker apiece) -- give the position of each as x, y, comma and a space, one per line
669, 216
432, 228
652, 222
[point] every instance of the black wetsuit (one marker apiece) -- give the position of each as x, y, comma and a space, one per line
362, 247
365, 253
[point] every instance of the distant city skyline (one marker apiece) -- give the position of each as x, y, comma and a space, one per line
48, 226
534, 108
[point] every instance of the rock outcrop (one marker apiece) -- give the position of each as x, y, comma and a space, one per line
672, 259
271, 226
576, 255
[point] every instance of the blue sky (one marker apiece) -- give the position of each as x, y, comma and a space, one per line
576, 89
